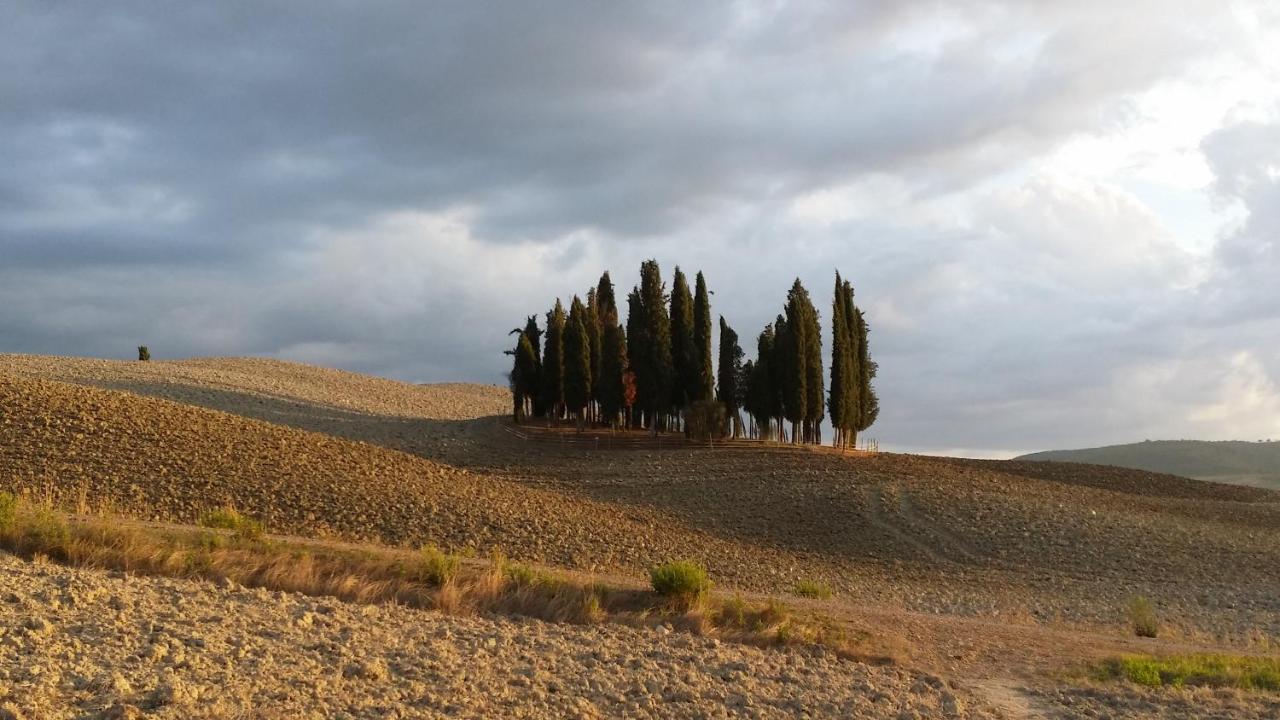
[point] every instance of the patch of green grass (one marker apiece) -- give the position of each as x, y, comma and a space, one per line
1142, 616
228, 518
681, 580
1231, 671
436, 566
812, 589
8, 511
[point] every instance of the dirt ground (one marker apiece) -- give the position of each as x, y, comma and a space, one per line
1002, 574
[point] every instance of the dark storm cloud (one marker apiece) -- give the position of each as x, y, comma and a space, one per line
390, 186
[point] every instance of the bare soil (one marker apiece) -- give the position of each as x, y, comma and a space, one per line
97, 644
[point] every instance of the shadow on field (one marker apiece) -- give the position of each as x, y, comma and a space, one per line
808, 514
443, 441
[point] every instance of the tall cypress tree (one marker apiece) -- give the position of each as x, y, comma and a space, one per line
839, 361
613, 363
637, 338
553, 363
793, 344
851, 406
777, 367
613, 352
869, 408
815, 400
595, 332
577, 361
651, 362
524, 378
730, 370
533, 379
703, 375
766, 392
746, 396
682, 352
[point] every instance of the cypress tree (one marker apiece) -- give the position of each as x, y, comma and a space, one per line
534, 381
651, 362
777, 371
637, 339
553, 363
793, 344
869, 406
851, 405
682, 351
815, 401
613, 351
613, 363
765, 392
577, 362
595, 331
524, 376
839, 361
730, 370
746, 400
704, 376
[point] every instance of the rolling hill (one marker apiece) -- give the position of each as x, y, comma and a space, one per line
977, 569
1239, 462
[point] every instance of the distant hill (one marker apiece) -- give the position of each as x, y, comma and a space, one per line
1233, 461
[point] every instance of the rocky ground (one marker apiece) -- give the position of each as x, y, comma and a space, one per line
91, 644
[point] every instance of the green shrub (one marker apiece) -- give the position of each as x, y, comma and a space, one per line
1142, 616
680, 580
8, 511
812, 589
437, 567
144, 353
228, 518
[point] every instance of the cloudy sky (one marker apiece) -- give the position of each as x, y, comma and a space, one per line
1062, 217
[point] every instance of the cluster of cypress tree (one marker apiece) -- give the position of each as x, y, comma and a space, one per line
784, 382
852, 403
657, 373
